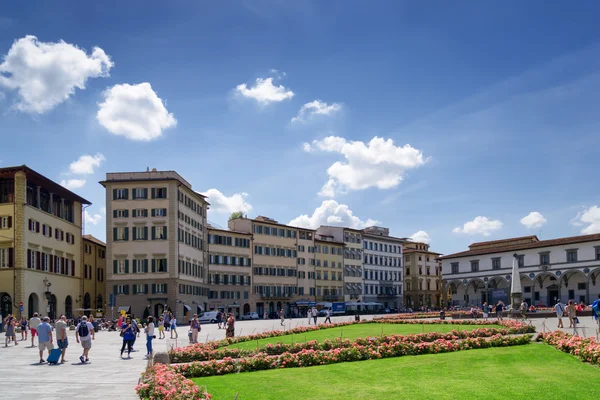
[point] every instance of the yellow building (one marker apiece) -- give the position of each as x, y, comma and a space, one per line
422, 276
40, 245
329, 268
307, 291
94, 274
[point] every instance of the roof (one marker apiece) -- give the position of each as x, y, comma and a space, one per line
420, 251
330, 241
342, 227
270, 221
211, 228
531, 238
500, 248
94, 240
46, 182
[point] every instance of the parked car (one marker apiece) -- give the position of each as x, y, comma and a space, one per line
250, 315
209, 316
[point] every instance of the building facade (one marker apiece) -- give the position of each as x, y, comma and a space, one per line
329, 269
156, 239
40, 245
230, 271
422, 276
564, 268
307, 291
382, 267
94, 274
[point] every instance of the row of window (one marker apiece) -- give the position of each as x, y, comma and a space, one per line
227, 295
228, 279
275, 251
302, 274
228, 241
428, 285
87, 248
275, 291
280, 232
139, 213
143, 288
46, 230
42, 199
140, 193
383, 290
193, 290
428, 271
407, 258
189, 203
384, 261
275, 271
352, 238
354, 273
382, 275
387, 248
190, 221
139, 265
334, 276
230, 260
121, 234
50, 263
189, 239
190, 268
88, 273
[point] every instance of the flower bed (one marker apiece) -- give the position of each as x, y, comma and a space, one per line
357, 352
587, 349
164, 382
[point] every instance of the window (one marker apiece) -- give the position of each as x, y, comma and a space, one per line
521, 260
121, 234
407, 270
140, 233
120, 213
139, 193
159, 212
5, 222
122, 266
140, 289
572, 255
581, 286
495, 263
6, 256
597, 252
544, 258
120, 194
159, 233
159, 265
407, 258
454, 267
159, 193
122, 289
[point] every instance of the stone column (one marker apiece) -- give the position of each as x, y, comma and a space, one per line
20, 251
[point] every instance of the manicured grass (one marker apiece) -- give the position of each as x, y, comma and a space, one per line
358, 331
534, 371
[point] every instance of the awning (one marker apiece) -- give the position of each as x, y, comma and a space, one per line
233, 306
305, 303
200, 307
124, 308
187, 307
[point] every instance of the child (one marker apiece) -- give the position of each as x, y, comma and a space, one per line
161, 328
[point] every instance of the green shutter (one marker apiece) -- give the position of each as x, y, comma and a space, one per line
134, 289
145, 233
133, 213
126, 266
126, 289
126, 213
114, 213
115, 234
146, 288
153, 288
153, 193
153, 265
164, 212
153, 233
146, 212
134, 233
134, 262
114, 194
164, 288
115, 266
152, 212
114, 290
165, 233
146, 265
145, 193
126, 194
126, 234
166, 265
133, 194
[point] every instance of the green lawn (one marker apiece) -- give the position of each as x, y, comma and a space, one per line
534, 371
359, 331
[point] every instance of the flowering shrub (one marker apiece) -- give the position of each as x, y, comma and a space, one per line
164, 382
356, 352
587, 349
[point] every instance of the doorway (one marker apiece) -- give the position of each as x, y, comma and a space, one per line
552, 297
52, 307
5, 304
158, 310
32, 305
68, 307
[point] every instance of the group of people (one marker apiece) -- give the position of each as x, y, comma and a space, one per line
486, 309
571, 309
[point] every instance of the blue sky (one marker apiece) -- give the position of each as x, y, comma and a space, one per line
457, 120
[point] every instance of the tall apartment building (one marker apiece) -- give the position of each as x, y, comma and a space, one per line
40, 244
353, 259
329, 267
94, 274
275, 270
156, 238
230, 271
382, 267
422, 276
307, 291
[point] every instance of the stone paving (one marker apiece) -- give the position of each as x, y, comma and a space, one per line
109, 375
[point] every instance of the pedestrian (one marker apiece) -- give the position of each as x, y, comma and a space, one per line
523, 309
166, 321
128, 335
328, 315
219, 319
314, 315
195, 327
174, 327
84, 333
10, 330
230, 331
473, 312
150, 336
571, 313
24, 325
485, 309
265, 315
559, 308
309, 314
161, 328
34, 322
136, 332
282, 316
596, 311
61, 336
44, 331
499, 310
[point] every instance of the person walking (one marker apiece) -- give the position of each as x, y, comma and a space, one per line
34, 322
596, 311
559, 308
485, 309
328, 316
230, 331
309, 314
314, 314
128, 335
220, 320
161, 327
265, 315
84, 334
44, 331
136, 332
282, 317
150, 336
174, 327
195, 327
499, 310
570, 309
61, 337
24, 326
10, 330
523, 309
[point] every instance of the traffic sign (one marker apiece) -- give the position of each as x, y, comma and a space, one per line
21, 308
21, 304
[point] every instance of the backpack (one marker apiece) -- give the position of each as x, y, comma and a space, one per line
596, 308
83, 330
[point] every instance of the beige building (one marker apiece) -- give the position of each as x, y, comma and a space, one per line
307, 291
422, 276
156, 239
94, 274
274, 257
230, 271
329, 267
40, 244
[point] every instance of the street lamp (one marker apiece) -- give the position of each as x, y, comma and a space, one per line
47, 284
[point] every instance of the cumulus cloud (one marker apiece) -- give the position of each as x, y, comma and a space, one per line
227, 204
330, 212
420, 236
264, 91
135, 112
86, 164
45, 74
589, 217
533, 220
72, 183
316, 107
93, 219
379, 163
479, 226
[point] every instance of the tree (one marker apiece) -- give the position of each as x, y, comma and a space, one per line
236, 215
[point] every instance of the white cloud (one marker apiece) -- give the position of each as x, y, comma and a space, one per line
264, 91
480, 225
86, 164
378, 163
45, 74
533, 220
227, 204
330, 212
72, 183
421, 236
590, 217
134, 111
93, 219
316, 107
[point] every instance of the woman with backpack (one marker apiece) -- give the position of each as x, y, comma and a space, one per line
128, 334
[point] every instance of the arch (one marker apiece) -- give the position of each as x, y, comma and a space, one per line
99, 302
32, 304
69, 307
575, 284
52, 307
158, 309
146, 313
498, 290
6, 306
87, 301
246, 308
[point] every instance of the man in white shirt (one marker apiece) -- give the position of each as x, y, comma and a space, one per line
85, 333
34, 322
314, 314
559, 308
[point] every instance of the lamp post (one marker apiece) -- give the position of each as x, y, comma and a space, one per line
48, 294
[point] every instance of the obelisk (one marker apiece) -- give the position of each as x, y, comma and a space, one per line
516, 293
